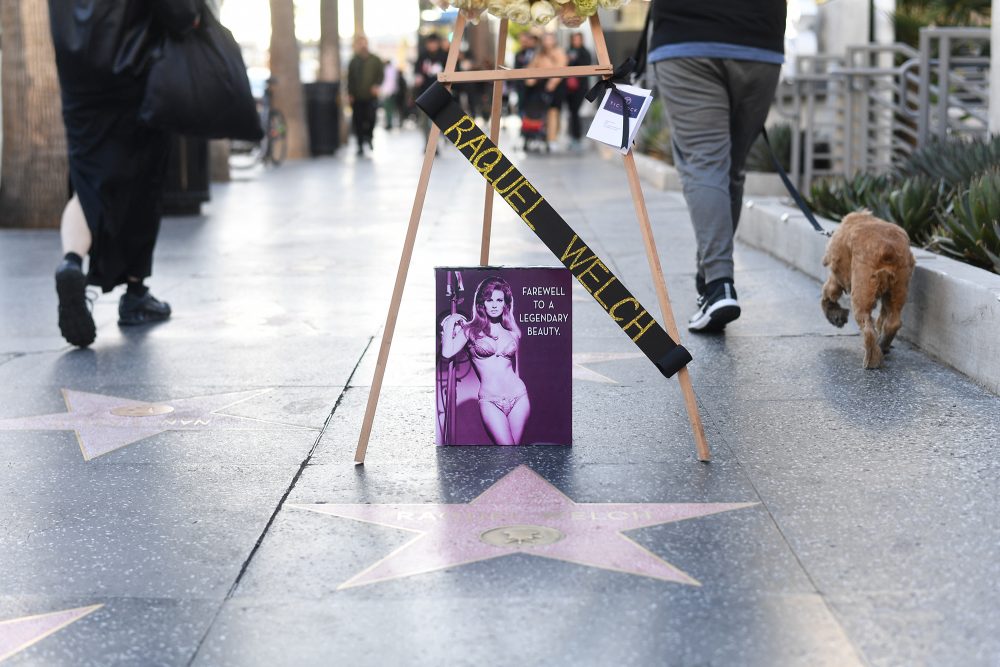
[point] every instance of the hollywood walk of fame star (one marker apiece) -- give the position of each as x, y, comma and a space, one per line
582, 372
521, 513
106, 423
19, 633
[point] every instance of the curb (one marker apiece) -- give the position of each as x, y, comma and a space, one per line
953, 309
665, 177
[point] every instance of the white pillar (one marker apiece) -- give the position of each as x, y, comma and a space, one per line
995, 71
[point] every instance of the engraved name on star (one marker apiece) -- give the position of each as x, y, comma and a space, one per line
522, 513
105, 423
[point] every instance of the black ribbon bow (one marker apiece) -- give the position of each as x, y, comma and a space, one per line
621, 72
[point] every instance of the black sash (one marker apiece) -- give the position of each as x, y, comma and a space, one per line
542, 219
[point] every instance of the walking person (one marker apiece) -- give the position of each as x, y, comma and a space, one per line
550, 54
117, 166
576, 87
430, 62
716, 65
364, 80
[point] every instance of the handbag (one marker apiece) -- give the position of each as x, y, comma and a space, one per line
198, 86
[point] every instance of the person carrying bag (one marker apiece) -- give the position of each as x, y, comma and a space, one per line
198, 86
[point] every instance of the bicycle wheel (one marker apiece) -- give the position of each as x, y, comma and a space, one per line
277, 133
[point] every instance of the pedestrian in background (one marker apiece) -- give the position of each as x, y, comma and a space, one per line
364, 79
576, 87
527, 45
716, 64
117, 166
389, 93
431, 60
550, 54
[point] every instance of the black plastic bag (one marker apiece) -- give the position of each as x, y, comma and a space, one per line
198, 86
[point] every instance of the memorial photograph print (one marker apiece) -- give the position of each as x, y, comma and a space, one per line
504, 356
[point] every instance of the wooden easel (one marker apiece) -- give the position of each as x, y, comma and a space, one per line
498, 75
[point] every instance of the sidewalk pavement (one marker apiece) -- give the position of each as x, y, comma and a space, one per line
848, 517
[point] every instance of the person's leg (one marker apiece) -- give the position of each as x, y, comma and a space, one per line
518, 417
372, 119
141, 230
495, 422
73, 229
751, 90
697, 101
76, 324
357, 123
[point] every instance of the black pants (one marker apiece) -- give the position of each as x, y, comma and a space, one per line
574, 100
363, 120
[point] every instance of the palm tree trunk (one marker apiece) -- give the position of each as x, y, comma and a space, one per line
359, 17
329, 41
284, 63
33, 167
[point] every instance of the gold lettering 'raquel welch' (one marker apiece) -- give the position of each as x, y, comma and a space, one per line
593, 274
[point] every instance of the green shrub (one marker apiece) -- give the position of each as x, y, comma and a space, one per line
971, 224
759, 158
914, 204
654, 135
955, 161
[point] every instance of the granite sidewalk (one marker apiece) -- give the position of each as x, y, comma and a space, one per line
848, 517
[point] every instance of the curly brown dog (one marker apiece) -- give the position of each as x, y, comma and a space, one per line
870, 259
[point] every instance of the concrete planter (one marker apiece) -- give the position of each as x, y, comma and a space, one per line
665, 177
953, 311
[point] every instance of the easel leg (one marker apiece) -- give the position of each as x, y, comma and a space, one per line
397, 295
683, 376
484, 248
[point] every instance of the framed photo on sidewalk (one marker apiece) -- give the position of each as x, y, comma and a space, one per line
504, 355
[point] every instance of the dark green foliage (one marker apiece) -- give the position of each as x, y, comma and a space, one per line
956, 162
971, 224
759, 158
914, 203
654, 135
912, 15
946, 196
837, 197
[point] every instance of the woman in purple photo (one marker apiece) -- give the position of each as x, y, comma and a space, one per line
493, 339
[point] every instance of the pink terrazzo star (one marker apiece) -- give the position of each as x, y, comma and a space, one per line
20, 633
106, 423
522, 513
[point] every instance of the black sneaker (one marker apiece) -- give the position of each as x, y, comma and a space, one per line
143, 309
76, 323
716, 309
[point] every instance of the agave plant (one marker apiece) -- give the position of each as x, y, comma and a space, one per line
914, 204
838, 197
759, 158
654, 135
956, 161
971, 224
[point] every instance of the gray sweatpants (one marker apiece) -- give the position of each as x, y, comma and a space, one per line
716, 108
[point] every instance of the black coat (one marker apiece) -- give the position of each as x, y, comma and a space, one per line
755, 23
117, 166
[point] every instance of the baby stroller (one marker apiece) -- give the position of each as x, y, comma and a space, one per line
533, 112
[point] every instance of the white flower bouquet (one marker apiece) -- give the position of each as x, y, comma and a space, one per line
571, 13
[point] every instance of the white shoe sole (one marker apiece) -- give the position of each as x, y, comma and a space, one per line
718, 315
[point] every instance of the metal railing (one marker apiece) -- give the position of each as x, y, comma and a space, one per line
872, 107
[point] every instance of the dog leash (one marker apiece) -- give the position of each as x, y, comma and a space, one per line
792, 190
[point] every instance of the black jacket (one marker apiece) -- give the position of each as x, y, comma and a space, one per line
102, 44
755, 23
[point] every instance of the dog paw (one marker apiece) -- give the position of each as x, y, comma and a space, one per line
837, 317
872, 360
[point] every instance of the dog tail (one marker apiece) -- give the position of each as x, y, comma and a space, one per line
884, 279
